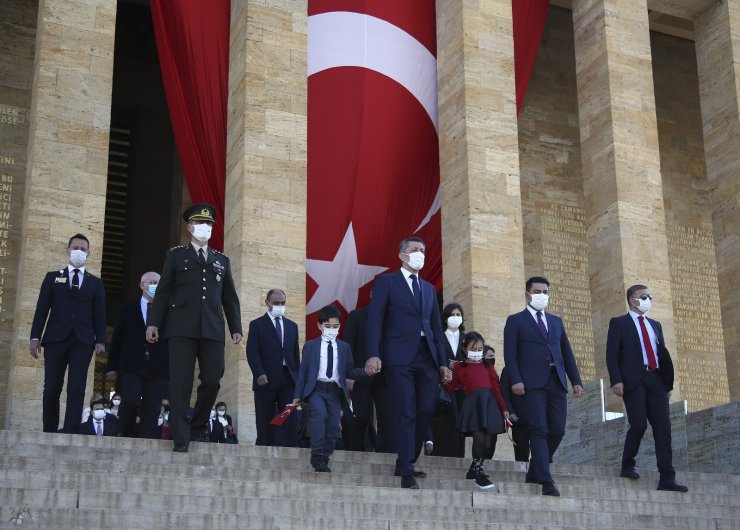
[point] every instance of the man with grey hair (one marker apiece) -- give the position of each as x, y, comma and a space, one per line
274, 358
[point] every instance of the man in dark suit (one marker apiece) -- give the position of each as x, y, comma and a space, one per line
538, 356
641, 373
140, 368
274, 357
405, 339
194, 294
74, 302
99, 423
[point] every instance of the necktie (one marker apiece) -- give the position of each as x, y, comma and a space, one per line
652, 363
98, 429
75, 279
541, 325
202, 256
279, 329
329, 360
417, 291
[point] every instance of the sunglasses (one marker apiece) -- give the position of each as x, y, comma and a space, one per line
644, 297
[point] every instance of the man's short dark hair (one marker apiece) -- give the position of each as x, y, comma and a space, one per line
273, 291
98, 401
537, 279
403, 245
328, 312
632, 290
78, 236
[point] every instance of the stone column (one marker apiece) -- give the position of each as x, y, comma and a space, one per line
718, 62
67, 170
265, 174
625, 215
482, 252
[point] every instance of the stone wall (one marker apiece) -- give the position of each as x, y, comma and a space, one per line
17, 48
705, 441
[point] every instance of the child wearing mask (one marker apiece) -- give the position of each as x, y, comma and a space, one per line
326, 364
483, 411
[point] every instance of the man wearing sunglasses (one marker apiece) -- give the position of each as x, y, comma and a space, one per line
641, 373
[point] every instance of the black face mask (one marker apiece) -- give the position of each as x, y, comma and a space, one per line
166, 408
489, 362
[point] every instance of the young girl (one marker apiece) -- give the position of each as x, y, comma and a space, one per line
483, 411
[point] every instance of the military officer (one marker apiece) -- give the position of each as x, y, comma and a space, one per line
196, 284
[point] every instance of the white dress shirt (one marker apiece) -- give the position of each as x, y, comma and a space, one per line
453, 337
533, 312
198, 247
651, 333
323, 362
80, 276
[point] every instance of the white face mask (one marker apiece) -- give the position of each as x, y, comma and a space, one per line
116, 402
454, 322
202, 232
416, 260
475, 356
98, 414
277, 311
221, 412
330, 333
77, 258
644, 305
539, 301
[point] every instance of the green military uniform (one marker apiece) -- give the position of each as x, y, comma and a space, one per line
189, 306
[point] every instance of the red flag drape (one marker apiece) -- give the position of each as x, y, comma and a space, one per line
529, 21
193, 45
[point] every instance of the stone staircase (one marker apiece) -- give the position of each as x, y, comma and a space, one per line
57, 481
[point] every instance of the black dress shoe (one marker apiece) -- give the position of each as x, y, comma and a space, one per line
322, 468
409, 483
548, 488
629, 473
672, 486
180, 448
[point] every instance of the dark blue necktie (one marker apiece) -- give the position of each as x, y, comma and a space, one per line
75, 279
329, 360
279, 330
417, 291
541, 325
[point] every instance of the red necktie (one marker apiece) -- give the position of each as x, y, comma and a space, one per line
652, 363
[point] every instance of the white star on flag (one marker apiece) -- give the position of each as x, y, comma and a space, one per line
341, 278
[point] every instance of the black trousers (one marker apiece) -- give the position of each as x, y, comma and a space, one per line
140, 393
73, 357
270, 402
520, 436
183, 353
648, 401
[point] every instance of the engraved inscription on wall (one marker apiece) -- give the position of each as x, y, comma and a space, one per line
566, 266
701, 366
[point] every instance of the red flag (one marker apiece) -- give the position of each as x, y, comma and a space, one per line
280, 418
373, 162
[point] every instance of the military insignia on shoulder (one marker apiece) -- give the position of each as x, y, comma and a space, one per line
179, 246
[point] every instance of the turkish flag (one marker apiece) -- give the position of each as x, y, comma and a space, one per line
373, 158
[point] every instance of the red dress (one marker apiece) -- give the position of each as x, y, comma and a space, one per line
484, 405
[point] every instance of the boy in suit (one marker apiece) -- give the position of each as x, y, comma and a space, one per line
322, 382
73, 301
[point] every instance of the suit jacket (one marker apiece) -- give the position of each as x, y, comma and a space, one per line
456, 355
110, 426
309, 371
190, 297
395, 324
80, 312
129, 345
624, 353
526, 351
355, 334
265, 354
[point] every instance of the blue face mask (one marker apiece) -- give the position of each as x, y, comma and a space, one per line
151, 289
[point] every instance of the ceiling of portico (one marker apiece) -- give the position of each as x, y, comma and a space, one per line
672, 17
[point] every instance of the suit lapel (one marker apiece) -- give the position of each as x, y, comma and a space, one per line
404, 287
528, 316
